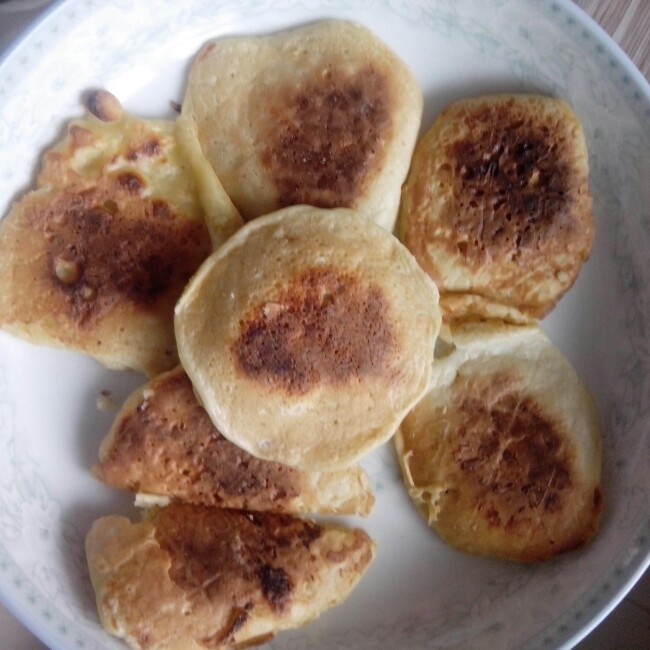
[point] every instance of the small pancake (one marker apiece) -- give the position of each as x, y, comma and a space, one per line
311, 354
95, 258
324, 115
197, 577
496, 207
163, 443
503, 456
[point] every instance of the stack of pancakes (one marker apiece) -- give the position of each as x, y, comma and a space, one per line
496, 207
242, 257
304, 339
95, 258
503, 455
305, 335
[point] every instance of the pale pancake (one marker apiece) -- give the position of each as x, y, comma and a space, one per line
324, 115
95, 258
193, 577
496, 207
503, 455
308, 336
163, 444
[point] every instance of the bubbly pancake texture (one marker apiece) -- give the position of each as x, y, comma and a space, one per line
496, 207
312, 355
163, 444
95, 258
197, 577
324, 115
503, 455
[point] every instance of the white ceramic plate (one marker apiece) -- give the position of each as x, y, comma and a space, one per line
418, 594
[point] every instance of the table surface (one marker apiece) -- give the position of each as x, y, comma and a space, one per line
628, 22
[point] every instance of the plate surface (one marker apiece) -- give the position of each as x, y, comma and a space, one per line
418, 594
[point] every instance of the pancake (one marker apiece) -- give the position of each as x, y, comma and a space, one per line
324, 115
496, 207
312, 354
503, 455
95, 258
163, 444
196, 577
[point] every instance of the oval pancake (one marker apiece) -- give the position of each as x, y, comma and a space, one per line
503, 455
496, 207
163, 444
197, 577
324, 115
308, 336
95, 258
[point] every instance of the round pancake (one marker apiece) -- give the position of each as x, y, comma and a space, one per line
503, 455
197, 577
163, 444
308, 335
496, 207
96, 257
324, 115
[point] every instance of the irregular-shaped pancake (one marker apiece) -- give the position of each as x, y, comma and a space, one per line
197, 577
324, 115
502, 456
96, 257
312, 354
163, 443
496, 207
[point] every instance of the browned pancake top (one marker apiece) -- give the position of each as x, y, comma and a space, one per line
215, 550
511, 183
102, 249
196, 576
326, 327
167, 444
508, 448
326, 136
511, 457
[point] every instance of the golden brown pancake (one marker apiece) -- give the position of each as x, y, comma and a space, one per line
95, 258
163, 444
324, 115
197, 577
503, 455
308, 336
496, 207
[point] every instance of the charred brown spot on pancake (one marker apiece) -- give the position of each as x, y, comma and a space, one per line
309, 534
148, 149
131, 182
326, 326
510, 180
512, 454
276, 585
327, 136
161, 210
233, 554
101, 250
168, 443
